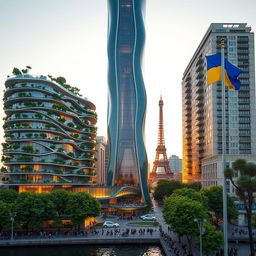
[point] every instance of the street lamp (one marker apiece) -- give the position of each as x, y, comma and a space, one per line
201, 228
13, 215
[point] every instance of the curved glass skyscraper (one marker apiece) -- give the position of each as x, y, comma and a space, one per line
127, 97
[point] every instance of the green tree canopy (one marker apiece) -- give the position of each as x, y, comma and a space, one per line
33, 209
245, 187
194, 185
5, 215
214, 195
180, 212
8, 195
81, 206
60, 199
165, 188
192, 194
212, 240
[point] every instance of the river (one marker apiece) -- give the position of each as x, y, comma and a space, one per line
85, 250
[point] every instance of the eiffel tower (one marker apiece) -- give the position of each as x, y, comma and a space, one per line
162, 162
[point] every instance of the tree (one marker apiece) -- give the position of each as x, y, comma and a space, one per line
192, 194
8, 195
16, 72
194, 185
5, 210
81, 206
165, 188
60, 199
33, 209
214, 195
245, 188
212, 240
180, 212
60, 80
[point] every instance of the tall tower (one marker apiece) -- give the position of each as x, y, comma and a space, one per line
127, 97
162, 162
202, 106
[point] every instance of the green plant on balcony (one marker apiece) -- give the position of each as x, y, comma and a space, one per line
53, 147
58, 161
24, 115
5, 146
86, 155
70, 124
28, 135
71, 154
17, 115
49, 113
84, 137
75, 135
43, 135
16, 72
79, 127
25, 125
48, 126
57, 171
62, 120
17, 125
28, 149
3, 170
60, 149
27, 168
76, 163
5, 159
42, 160
22, 180
56, 96
29, 104
39, 116
82, 147
25, 159
81, 172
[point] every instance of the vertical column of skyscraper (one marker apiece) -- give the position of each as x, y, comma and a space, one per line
127, 96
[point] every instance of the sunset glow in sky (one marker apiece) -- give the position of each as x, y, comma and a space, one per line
69, 38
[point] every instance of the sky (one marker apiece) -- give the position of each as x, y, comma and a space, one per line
69, 38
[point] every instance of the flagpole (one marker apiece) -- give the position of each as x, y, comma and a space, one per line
225, 218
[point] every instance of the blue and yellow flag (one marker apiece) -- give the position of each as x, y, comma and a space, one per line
214, 72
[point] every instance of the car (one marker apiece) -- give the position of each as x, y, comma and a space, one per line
149, 217
110, 224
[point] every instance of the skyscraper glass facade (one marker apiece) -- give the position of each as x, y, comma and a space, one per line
127, 96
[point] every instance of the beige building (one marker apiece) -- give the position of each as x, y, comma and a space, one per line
102, 160
202, 106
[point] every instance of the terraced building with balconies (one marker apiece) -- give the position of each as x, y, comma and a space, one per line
50, 135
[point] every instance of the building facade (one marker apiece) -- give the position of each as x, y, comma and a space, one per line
202, 106
102, 160
127, 98
49, 135
175, 163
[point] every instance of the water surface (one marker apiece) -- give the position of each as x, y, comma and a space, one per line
85, 250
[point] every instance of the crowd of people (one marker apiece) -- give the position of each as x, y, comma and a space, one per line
241, 232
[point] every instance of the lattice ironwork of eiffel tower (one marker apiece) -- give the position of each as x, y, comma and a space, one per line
161, 151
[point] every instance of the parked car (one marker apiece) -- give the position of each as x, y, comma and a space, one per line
110, 224
149, 217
